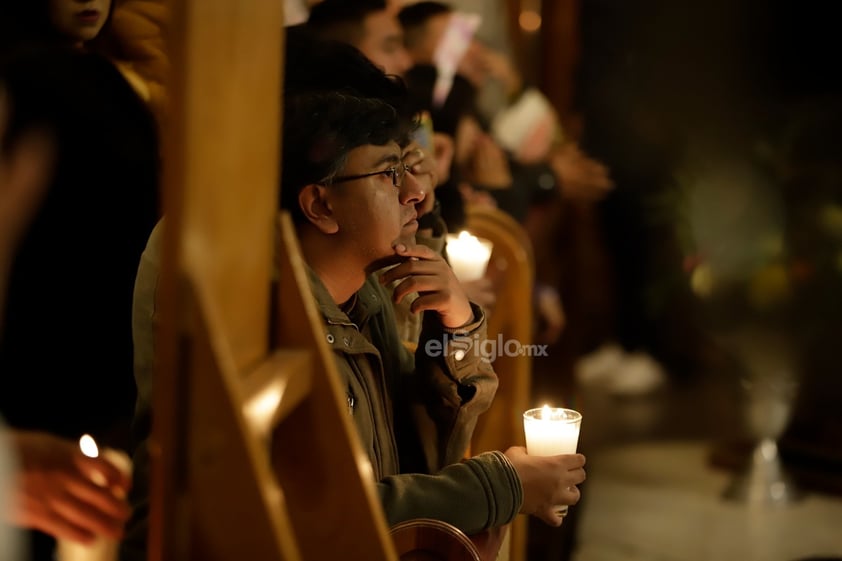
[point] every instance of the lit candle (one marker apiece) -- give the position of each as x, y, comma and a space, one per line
551, 431
468, 256
101, 549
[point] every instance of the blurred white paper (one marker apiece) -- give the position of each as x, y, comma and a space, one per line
527, 127
452, 47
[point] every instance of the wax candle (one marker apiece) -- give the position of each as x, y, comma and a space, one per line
468, 256
101, 549
551, 431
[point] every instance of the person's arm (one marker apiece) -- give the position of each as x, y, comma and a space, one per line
487, 491
443, 389
24, 168
474, 495
144, 326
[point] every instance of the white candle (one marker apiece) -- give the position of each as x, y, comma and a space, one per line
468, 256
101, 549
551, 431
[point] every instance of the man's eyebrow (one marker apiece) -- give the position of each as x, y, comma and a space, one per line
387, 159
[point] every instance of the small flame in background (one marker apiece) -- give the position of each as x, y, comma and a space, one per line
88, 446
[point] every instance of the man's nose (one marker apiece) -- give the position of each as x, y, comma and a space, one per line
412, 190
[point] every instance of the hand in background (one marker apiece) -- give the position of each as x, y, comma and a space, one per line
581, 177
489, 166
550, 312
443, 147
476, 197
548, 482
23, 174
54, 492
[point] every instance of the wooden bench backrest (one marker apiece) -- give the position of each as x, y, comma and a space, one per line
512, 268
254, 456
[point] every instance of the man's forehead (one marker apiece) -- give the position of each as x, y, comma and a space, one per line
370, 154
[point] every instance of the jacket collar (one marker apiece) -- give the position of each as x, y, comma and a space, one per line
368, 302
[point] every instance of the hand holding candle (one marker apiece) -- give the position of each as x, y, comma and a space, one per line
468, 256
101, 548
551, 431
54, 491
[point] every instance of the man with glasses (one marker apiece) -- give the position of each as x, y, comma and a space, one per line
372, 27
354, 208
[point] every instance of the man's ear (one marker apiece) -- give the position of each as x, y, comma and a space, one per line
316, 208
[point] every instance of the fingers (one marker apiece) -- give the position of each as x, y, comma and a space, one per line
433, 289
443, 148
572, 461
424, 271
62, 528
427, 273
75, 514
103, 472
419, 251
101, 498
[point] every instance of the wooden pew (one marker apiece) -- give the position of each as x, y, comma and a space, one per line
252, 456
512, 269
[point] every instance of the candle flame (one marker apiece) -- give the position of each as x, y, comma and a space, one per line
88, 446
546, 413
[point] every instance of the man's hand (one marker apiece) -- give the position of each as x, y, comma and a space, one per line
548, 482
54, 490
581, 177
443, 148
424, 271
490, 166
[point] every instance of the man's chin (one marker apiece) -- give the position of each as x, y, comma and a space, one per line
393, 258
384, 262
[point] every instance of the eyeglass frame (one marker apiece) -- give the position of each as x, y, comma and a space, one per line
397, 177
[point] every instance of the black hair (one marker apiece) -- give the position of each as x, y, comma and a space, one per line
342, 20
317, 64
335, 100
461, 100
320, 129
415, 16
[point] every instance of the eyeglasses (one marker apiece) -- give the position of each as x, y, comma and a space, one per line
397, 174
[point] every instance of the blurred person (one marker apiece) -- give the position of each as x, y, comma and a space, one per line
128, 32
75, 259
23, 175
369, 25
71, 23
579, 177
525, 179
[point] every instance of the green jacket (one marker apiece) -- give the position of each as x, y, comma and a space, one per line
415, 415
426, 404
